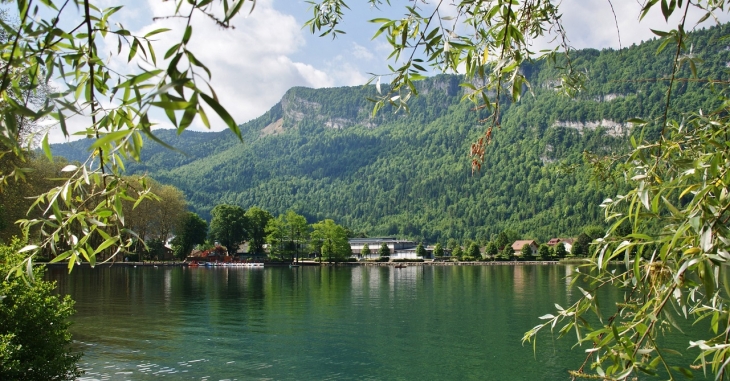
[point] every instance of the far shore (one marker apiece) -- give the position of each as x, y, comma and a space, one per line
570, 261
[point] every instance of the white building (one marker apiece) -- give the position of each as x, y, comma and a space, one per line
399, 249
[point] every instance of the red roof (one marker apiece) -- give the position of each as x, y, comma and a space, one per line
555, 241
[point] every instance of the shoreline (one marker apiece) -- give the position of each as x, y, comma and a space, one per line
343, 264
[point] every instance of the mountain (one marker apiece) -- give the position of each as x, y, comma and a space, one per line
322, 154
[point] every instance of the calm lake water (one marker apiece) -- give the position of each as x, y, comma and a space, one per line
312, 323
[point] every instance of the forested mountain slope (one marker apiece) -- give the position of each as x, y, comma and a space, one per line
320, 153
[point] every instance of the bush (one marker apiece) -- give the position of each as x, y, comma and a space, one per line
408, 260
34, 337
384, 259
351, 259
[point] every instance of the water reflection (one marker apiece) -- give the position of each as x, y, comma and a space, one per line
569, 270
318, 323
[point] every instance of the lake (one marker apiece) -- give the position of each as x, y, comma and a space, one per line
319, 323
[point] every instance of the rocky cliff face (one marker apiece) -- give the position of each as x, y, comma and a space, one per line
298, 105
613, 128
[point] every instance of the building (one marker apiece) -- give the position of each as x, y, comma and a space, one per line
399, 249
567, 243
518, 245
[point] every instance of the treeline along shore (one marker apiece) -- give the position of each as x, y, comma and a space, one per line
340, 264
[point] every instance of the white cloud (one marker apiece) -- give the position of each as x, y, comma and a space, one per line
268, 52
250, 66
344, 72
251, 70
361, 52
591, 24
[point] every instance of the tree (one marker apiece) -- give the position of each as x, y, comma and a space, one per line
491, 250
560, 251
190, 231
420, 250
544, 252
458, 252
43, 45
18, 196
581, 245
676, 175
276, 236
473, 251
155, 249
298, 233
171, 207
452, 244
331, 241
23, 132
35, 343
526, 252
677, 201
502, 241
365, 253
229, 226
594, 232
384, 250
286, 235
257, 220
665, 231
438, 250
507, 253
155, 217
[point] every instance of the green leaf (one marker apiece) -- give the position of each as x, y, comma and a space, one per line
223, 114
172, 51
106, 244
108, 138
171, 105
61, 257
157, 31
133, 50
188, 33
197, 63
667, 8
19, 108
188, 115
47, 148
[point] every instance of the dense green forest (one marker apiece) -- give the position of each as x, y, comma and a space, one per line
320, 153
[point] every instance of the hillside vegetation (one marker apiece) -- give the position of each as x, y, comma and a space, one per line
320, 153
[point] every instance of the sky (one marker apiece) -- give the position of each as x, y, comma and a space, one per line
270, 52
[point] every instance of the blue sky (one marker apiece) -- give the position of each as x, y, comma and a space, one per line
269, 52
